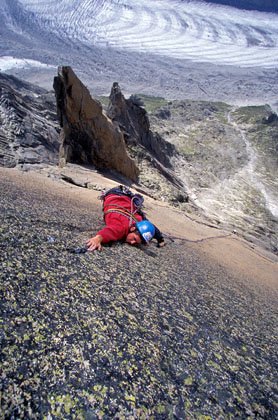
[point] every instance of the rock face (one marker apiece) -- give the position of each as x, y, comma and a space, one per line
133, 121
88, 136
28, 124
126, 343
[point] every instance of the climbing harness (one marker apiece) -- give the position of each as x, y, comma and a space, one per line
125, 212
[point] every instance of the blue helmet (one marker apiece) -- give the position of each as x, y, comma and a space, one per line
146, 230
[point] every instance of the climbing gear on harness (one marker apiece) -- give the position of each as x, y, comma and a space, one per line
123, 212
146, 230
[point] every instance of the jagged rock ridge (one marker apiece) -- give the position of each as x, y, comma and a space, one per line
133, 121
29, 128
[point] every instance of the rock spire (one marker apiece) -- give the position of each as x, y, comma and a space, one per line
88, 135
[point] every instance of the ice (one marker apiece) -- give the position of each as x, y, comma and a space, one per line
9, 63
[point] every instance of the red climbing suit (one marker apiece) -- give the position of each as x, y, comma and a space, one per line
120, 218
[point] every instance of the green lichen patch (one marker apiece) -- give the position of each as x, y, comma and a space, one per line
123, 333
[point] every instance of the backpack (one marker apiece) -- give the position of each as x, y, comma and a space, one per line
136, 198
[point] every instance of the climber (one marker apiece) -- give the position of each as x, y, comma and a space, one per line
124, 220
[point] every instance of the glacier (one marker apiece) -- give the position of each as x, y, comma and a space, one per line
191, 30
175, 49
